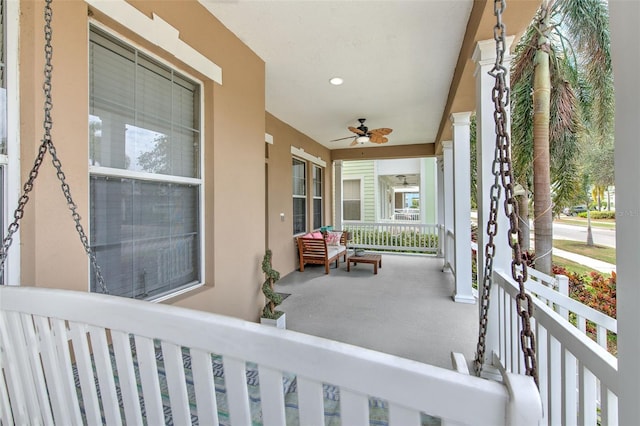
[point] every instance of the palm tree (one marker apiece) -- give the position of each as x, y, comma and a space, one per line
562, 84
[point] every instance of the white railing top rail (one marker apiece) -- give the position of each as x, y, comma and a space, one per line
594, 357
542, 277
386, 222
408, 386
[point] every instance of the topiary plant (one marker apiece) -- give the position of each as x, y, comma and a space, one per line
273, 298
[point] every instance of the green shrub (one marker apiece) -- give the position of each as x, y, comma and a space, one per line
599, 215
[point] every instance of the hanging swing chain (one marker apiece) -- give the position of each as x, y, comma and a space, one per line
47, 144
502, 168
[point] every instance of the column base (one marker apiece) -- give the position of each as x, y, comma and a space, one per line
469, 299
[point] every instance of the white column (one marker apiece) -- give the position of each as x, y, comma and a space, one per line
337, 197
440, 204
462, 206
484, 57
447, 156
625, 33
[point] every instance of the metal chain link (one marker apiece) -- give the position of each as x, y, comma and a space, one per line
502, 168
47, 144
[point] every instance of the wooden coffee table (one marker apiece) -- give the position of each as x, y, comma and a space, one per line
374, 259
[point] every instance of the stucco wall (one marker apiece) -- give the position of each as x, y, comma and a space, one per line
234, 125
281, 240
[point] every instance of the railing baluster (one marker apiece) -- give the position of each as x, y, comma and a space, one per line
587, 414
569, 376
608, 407
601, 336
310, 402
582, 323
542, 358
555, 382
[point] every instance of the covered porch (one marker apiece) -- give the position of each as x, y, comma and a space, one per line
404, 310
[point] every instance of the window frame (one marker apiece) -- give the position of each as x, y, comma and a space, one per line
361, 199
316, 196
10, 161
299, 196
103, 171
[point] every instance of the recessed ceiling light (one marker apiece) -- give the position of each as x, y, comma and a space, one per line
336, 81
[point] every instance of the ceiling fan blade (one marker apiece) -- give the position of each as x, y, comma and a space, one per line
381, 131
376, 138
356, 130
341, 139
354, 143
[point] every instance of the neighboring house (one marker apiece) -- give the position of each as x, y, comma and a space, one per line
383, 190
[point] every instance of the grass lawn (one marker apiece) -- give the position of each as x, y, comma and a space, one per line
574, 267
595, 223
605, 254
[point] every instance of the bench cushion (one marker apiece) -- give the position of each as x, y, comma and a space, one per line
335, 251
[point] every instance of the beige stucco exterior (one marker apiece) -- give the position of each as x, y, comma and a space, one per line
281, 240
234, 154
247, 183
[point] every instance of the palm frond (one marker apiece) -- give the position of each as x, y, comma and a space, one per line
587, 24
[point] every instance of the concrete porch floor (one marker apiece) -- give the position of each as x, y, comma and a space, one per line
405, 310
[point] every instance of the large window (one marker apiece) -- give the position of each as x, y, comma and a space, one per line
299, 196
145, 179
317, 197
351, 199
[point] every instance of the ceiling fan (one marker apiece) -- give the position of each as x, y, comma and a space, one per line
404, 183
363, 134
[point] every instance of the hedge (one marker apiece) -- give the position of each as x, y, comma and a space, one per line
599, 215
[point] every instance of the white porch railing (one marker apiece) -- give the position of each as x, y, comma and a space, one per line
195, 366
393, 236
554, 292
450, 251
411, 215
577, 377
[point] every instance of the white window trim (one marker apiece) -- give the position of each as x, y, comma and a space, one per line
361, 179
11, 161
313, 195
159, 32
303, 155
200, 182
305, 196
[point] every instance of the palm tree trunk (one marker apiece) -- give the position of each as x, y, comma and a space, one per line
523, 212
543, 219
589, 233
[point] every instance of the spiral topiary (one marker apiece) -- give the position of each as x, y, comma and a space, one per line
273, 298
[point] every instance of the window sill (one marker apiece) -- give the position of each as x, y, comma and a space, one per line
178, 293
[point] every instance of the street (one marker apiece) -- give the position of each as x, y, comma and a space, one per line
602, 237
562, 231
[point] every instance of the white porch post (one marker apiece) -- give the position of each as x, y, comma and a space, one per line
440, 204
462, 206
484, 56
337, 201
447, 160
625, 33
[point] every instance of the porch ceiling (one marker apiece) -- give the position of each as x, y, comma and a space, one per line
405, 63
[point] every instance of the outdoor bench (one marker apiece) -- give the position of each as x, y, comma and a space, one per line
322, 249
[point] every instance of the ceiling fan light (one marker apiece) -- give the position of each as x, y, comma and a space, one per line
362, 139
336, 81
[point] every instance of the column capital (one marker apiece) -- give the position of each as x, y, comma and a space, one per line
485, 51
447, 145
461, 118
